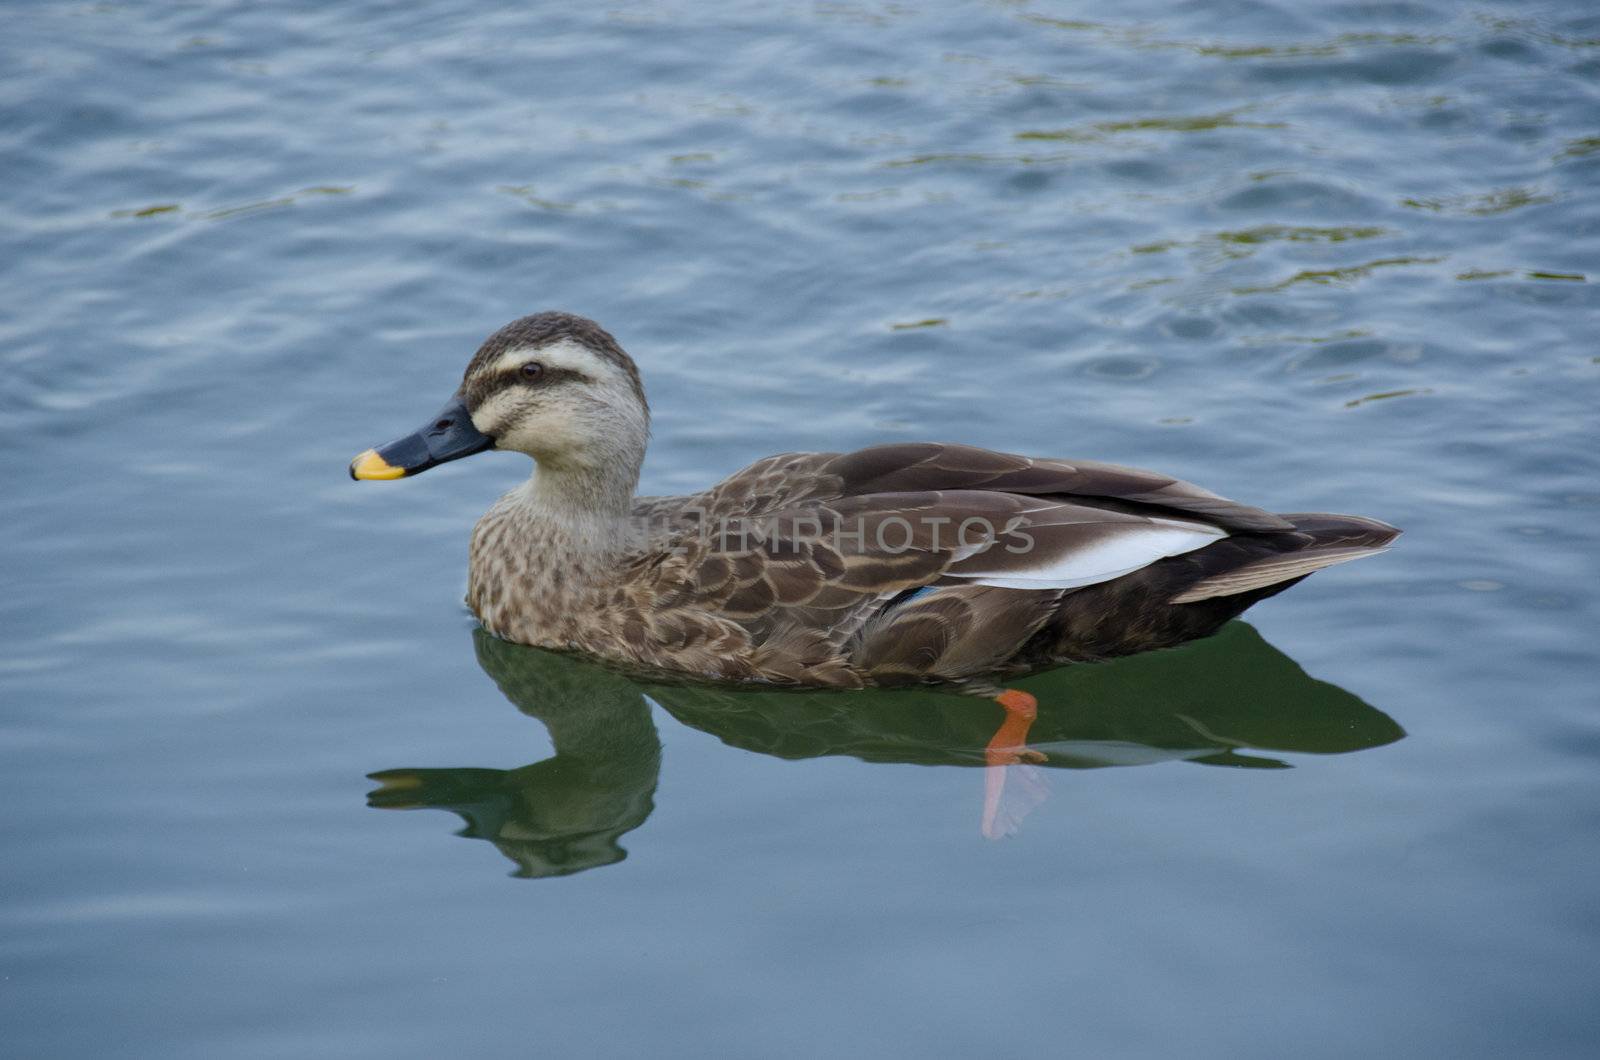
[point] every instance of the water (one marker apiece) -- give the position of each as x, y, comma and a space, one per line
1341, 260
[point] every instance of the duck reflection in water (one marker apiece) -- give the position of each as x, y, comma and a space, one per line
563, 814
1220, 702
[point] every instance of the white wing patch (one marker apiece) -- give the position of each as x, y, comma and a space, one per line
1123, 553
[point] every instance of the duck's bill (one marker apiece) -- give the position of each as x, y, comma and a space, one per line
449, 436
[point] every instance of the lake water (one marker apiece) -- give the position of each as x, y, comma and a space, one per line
1338, 260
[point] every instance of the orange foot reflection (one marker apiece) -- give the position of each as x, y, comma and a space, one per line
1008, 753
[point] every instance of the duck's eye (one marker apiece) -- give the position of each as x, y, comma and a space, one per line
531, 371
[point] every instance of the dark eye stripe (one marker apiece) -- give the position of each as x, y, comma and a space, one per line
476, 391
548, 377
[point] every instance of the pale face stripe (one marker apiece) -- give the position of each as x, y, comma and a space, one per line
563, 353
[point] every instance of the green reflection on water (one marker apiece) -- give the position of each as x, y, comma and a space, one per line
1301, 234
1346, 275
1386, 395
1142, 37
975, 158
1498, 201
1241, 243
225, 212
1198, 123
1218, 702
563, 814
148, 211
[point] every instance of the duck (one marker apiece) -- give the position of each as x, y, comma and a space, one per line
906, 563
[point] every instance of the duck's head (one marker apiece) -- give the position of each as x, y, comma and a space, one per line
552, 385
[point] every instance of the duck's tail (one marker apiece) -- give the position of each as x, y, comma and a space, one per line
1182, 598
1319, 540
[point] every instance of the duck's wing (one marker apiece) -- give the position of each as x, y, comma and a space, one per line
943, 560
832, 556
823, 530
913, 467
811, 585
775, 483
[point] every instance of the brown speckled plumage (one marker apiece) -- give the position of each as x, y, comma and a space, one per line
779, 573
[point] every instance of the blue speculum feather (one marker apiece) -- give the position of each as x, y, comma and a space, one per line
913, 594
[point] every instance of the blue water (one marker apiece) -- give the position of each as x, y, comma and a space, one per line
1342, 259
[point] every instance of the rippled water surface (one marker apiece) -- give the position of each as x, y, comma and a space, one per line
1336, 260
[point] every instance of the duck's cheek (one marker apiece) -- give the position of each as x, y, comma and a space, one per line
495, 415
547, 434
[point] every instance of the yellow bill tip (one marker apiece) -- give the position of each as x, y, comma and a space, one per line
370, 465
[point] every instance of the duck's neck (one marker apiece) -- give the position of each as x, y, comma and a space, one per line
539, 552
580, 511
